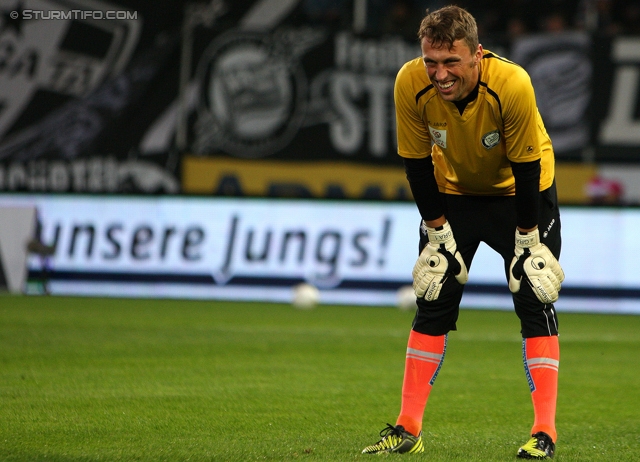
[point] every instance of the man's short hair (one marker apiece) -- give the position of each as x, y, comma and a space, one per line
450, 23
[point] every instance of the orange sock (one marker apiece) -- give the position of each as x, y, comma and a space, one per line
541, 357
425, 354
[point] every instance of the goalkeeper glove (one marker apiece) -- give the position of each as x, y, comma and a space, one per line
438, 259
536, 263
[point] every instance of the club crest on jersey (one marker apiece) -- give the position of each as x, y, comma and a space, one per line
491, 139
438, 137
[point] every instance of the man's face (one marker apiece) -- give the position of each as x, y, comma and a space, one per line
453, 72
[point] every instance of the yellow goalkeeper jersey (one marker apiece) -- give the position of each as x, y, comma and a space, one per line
471, 152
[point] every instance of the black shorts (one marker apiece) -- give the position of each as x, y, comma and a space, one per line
492, 220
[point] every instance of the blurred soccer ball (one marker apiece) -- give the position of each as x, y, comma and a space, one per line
406, 298
305, 296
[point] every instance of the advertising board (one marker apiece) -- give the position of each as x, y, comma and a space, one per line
355, 252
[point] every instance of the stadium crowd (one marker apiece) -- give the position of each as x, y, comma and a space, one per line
507, 18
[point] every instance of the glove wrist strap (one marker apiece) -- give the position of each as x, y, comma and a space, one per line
527, 240
441, 235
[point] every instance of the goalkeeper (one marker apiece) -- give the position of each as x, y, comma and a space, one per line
481, 169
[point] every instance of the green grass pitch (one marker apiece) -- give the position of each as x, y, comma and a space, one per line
84, 379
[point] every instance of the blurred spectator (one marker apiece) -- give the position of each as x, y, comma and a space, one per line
557, 15
553, 23
630, 18
605, 20
377, 12
610, 17
334, 13
603, 191
516, 27
509, 18
403, 18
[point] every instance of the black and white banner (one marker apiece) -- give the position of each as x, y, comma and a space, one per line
258, 249
78, 85
111, 96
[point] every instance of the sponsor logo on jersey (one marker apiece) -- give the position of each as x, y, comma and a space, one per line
438, 137
491, 139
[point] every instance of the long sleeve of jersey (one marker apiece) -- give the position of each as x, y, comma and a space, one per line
422, 181
427, 197
527, 176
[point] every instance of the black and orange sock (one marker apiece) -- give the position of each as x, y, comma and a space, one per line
541, 356
425, 354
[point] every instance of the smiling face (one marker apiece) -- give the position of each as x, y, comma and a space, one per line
453, 71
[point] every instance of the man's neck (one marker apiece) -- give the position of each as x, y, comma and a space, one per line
462, 103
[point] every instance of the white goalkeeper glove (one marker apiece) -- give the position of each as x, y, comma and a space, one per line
438, 259
536, 263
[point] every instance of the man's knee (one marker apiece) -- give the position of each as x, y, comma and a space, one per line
537, 321
437, 317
